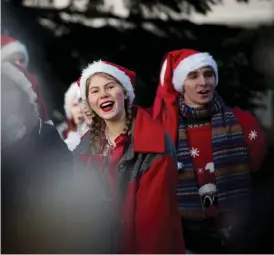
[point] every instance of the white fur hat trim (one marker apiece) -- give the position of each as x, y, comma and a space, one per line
73, 92
207, 188
190, 64
100, 66
21, 81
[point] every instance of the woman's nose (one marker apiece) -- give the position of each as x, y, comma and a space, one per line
103, 94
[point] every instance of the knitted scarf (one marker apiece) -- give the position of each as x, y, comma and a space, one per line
230, 158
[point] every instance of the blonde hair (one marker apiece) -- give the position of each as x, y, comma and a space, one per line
98, 124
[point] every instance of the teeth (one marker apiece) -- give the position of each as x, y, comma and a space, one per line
106, 104
203, 91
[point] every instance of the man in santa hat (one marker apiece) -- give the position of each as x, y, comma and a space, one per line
218, 148
13, 51
78, 117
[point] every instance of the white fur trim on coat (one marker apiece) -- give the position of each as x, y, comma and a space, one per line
73, 92
190, 64
207, 188
100, 66
12, 48
73, 140
22, 82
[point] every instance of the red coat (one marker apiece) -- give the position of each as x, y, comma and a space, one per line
150, 216
149, 111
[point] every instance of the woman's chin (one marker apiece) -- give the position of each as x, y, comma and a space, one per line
108, 116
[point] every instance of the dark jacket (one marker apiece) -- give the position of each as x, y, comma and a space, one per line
254, 233
34, 171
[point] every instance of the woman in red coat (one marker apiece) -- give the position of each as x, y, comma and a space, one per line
135, 161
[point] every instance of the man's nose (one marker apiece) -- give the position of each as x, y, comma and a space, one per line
202, 80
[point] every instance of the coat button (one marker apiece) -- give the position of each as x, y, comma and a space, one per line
122, 166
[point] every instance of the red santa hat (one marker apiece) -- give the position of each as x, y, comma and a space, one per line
72, 93
182, 62
10, 45
175, 68
21, 81
206, 180
123, 75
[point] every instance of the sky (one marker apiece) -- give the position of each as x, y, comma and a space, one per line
230, 12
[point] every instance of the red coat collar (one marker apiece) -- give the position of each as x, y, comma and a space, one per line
149, 135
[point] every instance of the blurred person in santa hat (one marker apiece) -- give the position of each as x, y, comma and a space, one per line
78, 117
134, 160
219, 149
34, 163
13, 51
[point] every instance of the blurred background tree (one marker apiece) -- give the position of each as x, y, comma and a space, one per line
61, 41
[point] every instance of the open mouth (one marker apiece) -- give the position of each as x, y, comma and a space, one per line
107, 106
204, 92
